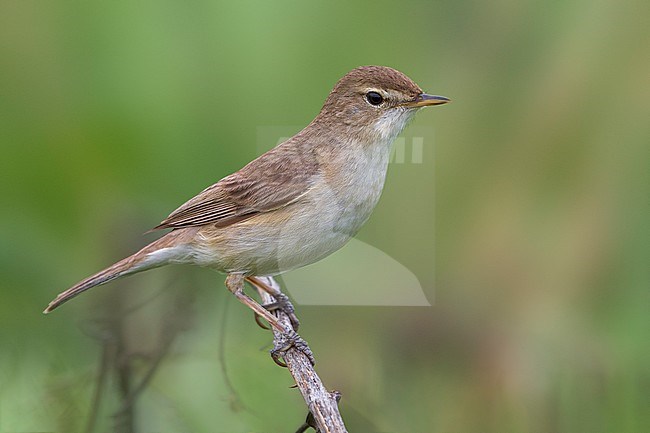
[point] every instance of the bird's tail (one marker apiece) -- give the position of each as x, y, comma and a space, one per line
138, 262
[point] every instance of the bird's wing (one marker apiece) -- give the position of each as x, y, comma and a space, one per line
275, 179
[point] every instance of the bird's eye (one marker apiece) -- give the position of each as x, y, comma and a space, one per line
374, 98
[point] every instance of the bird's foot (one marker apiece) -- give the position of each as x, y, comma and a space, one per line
282, 303
288, 340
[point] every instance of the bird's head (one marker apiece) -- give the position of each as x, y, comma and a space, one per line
373, 100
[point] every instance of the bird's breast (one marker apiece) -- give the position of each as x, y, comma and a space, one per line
352, 185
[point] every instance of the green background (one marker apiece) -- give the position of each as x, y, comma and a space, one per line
526, 222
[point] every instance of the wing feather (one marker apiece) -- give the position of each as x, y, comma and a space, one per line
274, 180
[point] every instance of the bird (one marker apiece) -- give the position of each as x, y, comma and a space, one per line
293, 205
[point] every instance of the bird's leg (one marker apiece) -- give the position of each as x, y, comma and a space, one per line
286, 338
235, 283
281, 303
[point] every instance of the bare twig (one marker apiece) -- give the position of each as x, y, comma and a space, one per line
108, 348
171, 329
322, 404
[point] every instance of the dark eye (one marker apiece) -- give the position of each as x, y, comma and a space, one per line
374, 98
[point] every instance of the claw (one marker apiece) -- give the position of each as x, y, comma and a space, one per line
289, 340
278, 359
260, 323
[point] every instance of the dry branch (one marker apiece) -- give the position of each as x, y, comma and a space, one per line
322, 404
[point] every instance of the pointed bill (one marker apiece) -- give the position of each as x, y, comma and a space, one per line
424, 100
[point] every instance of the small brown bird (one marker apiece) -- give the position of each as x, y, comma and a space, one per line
295, 204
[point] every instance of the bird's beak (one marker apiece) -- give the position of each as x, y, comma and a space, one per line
424, 100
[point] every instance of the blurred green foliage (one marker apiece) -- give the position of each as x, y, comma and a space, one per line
534, 248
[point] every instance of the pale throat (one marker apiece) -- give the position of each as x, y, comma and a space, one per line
391, 123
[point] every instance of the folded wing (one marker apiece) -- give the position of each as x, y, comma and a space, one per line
274, 180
